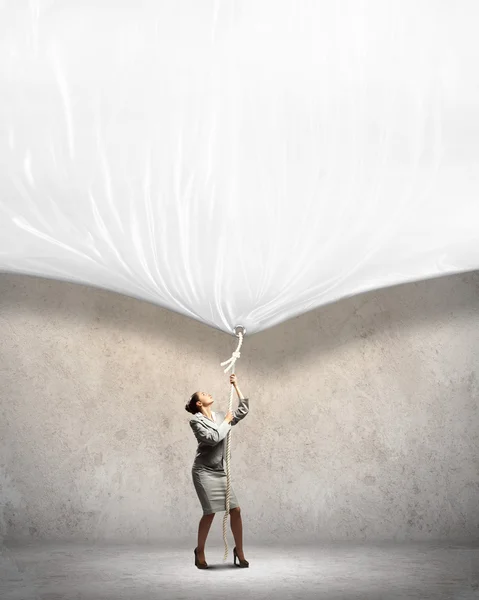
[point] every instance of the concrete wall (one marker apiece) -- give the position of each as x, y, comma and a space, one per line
364, 419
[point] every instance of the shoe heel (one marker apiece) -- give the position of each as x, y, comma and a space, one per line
199, 564
242, 563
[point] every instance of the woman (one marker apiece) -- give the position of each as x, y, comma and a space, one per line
208, 472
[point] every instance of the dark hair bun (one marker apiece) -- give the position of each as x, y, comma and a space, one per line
190, 406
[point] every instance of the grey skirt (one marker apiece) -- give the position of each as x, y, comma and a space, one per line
210, 485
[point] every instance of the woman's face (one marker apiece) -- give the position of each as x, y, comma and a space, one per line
206, 399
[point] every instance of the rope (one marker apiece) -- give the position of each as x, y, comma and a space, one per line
234, 357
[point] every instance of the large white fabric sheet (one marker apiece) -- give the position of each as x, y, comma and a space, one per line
239, 162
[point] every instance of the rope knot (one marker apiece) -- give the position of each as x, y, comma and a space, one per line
231, 361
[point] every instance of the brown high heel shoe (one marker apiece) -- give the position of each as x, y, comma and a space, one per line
200, 565
242, 563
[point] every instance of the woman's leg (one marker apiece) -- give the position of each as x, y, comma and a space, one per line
237, 529
203, 529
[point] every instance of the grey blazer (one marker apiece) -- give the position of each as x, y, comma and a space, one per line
211, 436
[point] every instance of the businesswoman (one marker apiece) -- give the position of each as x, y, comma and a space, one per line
209, 477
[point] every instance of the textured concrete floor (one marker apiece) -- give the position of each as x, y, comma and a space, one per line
73, 571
